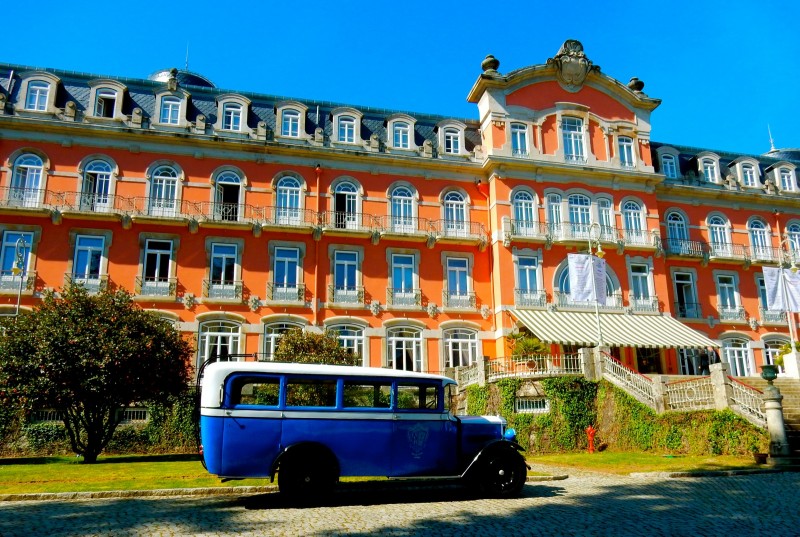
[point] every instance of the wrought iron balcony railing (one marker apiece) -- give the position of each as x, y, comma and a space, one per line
530, 298
349, 294
771, 316
684, 247
223, 289
283, 292
10, 281
731, 313
564, 300
459, 300
403, 297
155, 286
93, 283
688, 310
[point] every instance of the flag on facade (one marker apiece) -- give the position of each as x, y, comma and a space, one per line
782, 289
583, 270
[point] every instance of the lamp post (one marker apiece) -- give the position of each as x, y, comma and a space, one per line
594, 242
19, 269
785, 257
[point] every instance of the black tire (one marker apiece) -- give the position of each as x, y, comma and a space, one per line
305, 479
503, 474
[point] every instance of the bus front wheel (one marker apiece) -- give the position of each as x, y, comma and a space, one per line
503, 474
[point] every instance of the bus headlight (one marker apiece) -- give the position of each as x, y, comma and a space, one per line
510, 435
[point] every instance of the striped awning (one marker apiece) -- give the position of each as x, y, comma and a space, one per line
619, 330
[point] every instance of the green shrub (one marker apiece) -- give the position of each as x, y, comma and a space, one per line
45, 437
129, 439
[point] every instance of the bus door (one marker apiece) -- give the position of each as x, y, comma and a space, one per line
424, 441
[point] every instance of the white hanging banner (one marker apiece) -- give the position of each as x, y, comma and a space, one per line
774, 289
587, 278
792, 280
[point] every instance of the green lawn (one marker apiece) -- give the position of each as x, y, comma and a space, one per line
146, 472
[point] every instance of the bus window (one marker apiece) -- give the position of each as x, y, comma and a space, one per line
417, 396
310, 392
263, 391
367, 395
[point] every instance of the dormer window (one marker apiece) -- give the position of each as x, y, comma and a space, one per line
170, 111
709, 168
572, 134
105, 99
749, 176
451, 137
669, 166
346, 129
401, 134
452, 142
346, 125
37, 96
625, 145
787, 181
290, 123
519, 140
105, 103
232, 117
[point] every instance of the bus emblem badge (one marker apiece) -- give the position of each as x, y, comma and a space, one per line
417, 438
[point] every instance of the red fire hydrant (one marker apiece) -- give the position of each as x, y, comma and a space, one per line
590, 432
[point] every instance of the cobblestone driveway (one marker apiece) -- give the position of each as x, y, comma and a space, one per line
583, 504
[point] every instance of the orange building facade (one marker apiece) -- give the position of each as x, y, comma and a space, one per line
421, 241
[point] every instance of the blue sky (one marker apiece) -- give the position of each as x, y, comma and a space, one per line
724, 70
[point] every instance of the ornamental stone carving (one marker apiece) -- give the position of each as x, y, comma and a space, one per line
572, 65
432, 309
375, 307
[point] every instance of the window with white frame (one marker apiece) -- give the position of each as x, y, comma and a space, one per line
455, 217
26, 181
219, 340
669, 166
346, 129
290, 123
401, 135
626, 153
227, 193
633, 220
605, 217
273, 332
156, 268
345, 277
105, 103
402, 207
710, 173
286, 274
737, 354
404, 270
460, 347
95, 187
452, 141
15, 253
350, 338
686, 304
288, 192
224, 267
572, 135
170, 111
677, 233
36, 98
772, 350
749, 176
87, 261
528, 292
554, 217
458, 280
579, 215
163, 191
720, 233
524, 213
345, 205
232, 116
531, 405
640, 286
787, 181
519, 140
793, 234
760, 240
728, 298
404, 348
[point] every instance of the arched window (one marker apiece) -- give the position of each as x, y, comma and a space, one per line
772, 350
345, 206
232, 116
350, 337
105, 103
170, 111
218, 339
793, 233
404, 348
749, 175
290, 123
760, 240
402, 206
227, 196
452, 141
669, 166
787, 182
524, 213
163, 191
346, 129
632, 219
36, 99
460, 347
737, 354
720, 235
455, 218
579, 215
677, 234
710, 170
96, 186
273, 332
26, 182
401, 135
288, 200
519, 140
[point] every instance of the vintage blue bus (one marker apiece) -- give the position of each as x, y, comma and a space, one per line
311, 424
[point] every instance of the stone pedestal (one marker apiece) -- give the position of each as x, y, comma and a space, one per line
778, 442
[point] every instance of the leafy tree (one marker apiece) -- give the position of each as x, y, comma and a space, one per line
308, 348
89, 357
523, 343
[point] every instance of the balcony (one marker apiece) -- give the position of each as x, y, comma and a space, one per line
684, 248
283, 292
771, 316
688, 310
93, 283
156, 287
288, 217
644, 304
24, 198
731, 313
766, 254
525, 229
404, 297
10, 282
223, 289
458, 230
459, 300
405, 226
227, 212
564, 300
340, 222
530, 298
349, 294
637, 237
727, 251
580, 233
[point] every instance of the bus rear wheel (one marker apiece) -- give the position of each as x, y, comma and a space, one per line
305, 479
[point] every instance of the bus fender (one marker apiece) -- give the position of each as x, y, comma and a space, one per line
313, 452
494, 447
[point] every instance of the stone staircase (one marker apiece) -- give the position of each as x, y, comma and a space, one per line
790, 389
